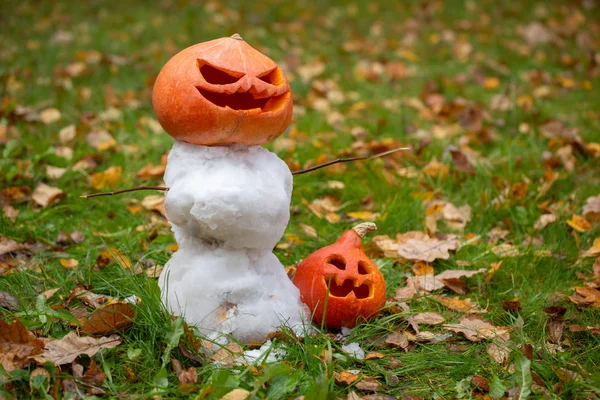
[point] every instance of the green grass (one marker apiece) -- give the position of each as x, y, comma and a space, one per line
135, 40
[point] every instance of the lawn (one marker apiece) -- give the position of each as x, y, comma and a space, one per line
499, 103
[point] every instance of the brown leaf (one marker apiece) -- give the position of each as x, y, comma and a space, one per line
54, 172
187, 379
346, 377
113, 255
593, 251
69, 263
416, 245
100, 140
8, 301
112, 317
544, 220
505, 250
150, 171
430, 282
67, 349
9, 246
368, 384
397, 339
428, 318
227, 355
498, 349
155, 202
17, 345
10, 212
476, 329
93, 376
481, 383
457, 304
45, 195
407, 292
591, 209
461, 161
585, 295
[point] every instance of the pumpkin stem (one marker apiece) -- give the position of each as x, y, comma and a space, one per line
364, 228
237, 36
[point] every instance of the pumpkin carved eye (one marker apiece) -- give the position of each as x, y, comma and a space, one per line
275, 77
337, 261
216, 76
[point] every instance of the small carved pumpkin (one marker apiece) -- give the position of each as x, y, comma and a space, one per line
341, 281
222, 92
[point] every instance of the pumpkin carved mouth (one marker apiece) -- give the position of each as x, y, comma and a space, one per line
244, 101
361, 292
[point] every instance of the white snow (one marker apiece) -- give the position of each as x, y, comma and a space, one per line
353, 349
228, 207
275, 354
238, 196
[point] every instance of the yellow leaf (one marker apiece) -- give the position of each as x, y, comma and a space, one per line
491, 83
110, 177
579, 223
364, 215
70, 263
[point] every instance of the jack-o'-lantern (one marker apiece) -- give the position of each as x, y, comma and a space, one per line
341, 282
222, 92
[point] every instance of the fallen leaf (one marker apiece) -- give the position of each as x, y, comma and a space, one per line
585, 295
407, 292
155, 202
67, 349
427, 318
458, 304
227, 355
345, 377
544, 220
111, 317
505, 250
108, 178
387, 245
93, 376
113, 255
397, 340
475, 329
54, 172
187, 379
33, 379
67, 133
9, 246
446, 278
17, 345
373, 355
8, 301
237, 394
100, 140
579, 223
69, 263
499, 349
49, 115
591, 209
364, 215
10, 212
416, 245
45, 195
368, 384
593, 251
149, 171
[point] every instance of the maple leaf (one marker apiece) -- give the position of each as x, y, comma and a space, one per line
67, 349
416, 245
17, 345
475, 329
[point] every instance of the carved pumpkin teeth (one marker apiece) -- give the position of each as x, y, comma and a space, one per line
235, 101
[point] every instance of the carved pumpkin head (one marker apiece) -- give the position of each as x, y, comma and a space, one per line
222, 92
341, 281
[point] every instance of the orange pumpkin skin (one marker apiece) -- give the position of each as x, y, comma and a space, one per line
222, 92
356, 286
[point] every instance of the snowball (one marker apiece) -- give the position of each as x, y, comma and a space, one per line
236, 196
353, 349
242, 292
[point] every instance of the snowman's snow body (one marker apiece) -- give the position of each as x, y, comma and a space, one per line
228, 207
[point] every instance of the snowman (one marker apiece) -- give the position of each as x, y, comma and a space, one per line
228, 198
